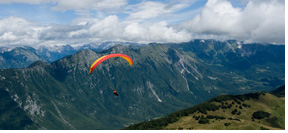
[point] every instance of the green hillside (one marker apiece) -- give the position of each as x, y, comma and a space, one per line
253, 111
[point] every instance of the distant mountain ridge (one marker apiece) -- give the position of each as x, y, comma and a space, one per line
23, 56
20, 57
164, 78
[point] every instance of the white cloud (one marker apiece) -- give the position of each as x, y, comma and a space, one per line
110, 28
264, 21
147, 9
259, 21
15, 30
157, 32
77, 5
217, 17
21, 1
150, 9
8, 36
63, 5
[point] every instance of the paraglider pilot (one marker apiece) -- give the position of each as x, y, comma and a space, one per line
115, 92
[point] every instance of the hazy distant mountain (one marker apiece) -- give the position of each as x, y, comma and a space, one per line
164, 78
106, 45
54, 53
20, 57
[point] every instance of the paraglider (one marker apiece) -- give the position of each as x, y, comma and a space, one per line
105, 57
115, 92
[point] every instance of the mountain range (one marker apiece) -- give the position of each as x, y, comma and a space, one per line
164, 78
23, 56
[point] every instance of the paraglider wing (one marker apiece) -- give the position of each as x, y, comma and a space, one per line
105, 57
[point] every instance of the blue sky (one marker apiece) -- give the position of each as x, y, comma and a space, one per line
37, 13
59, 22
43, 13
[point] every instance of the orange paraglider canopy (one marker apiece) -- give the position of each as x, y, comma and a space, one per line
105, 57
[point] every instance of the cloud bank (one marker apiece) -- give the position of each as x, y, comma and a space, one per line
260, 21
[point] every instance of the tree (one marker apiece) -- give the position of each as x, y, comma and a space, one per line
234, 111
245, 105
229, 106
260, 114
227, 124
239, 113
203, 121
263, 128
210, 117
